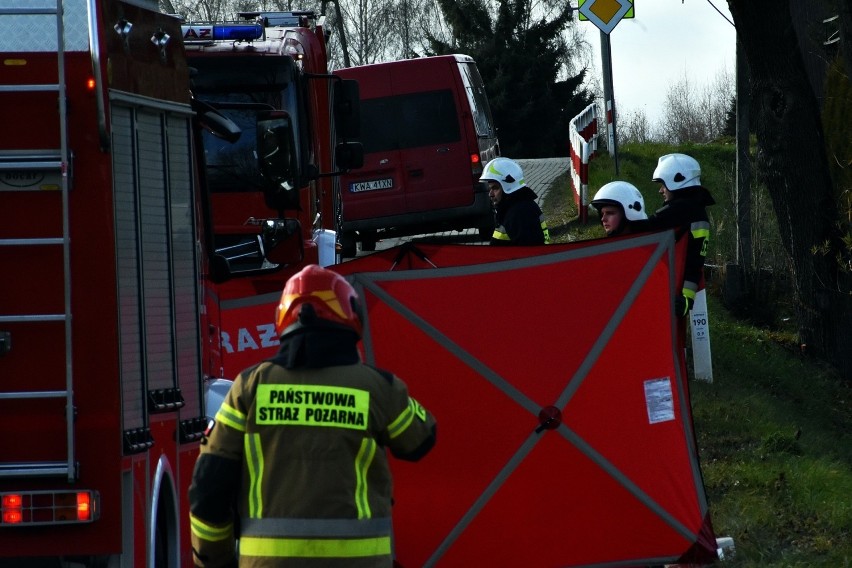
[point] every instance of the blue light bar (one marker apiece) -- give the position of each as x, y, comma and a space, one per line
222, 32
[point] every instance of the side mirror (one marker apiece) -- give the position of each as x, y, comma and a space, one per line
215, 122
277, 159
347, 108
349, 155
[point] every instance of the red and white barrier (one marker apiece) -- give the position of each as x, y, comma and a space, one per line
583, 132
610, 129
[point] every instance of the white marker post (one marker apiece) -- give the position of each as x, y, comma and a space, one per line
700, 324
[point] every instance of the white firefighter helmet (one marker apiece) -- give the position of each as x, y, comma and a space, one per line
506, 171
624, 195
677, 171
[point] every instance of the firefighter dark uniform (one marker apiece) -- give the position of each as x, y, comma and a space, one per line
295, 466
685, 211
518, 218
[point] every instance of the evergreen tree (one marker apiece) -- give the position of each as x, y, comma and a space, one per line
521, 61
731, 119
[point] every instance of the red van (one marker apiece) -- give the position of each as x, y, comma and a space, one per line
427, 132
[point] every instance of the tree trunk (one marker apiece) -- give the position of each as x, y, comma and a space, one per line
341, 29
792, 163
845, 8
745, 254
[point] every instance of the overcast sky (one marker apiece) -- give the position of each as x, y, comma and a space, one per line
667, 40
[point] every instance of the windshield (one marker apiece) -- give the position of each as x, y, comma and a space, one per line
233, 167
241, 88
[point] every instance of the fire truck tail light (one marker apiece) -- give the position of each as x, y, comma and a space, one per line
12, 501
12, 517
84, 501
50, 507
90, 84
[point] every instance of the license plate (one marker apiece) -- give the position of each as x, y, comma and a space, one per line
372, 185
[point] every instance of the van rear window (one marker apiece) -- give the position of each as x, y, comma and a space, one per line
475, 89
409, 121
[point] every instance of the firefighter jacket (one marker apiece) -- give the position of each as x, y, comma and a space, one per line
296, 467
519, 220
686, 213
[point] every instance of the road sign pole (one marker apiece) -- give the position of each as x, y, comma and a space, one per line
609, 98
605, 14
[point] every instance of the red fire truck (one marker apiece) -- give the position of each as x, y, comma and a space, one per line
116, 262
258, 66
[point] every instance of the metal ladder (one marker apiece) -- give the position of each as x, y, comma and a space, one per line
55, 160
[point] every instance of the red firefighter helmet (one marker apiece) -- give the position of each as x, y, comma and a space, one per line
332, 298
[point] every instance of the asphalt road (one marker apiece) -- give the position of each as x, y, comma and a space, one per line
539, 175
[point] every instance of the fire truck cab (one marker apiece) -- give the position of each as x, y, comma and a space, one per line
268, 72
115, 263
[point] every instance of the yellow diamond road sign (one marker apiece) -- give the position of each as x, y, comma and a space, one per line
605, 14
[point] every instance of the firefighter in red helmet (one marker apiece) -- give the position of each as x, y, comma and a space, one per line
295, 464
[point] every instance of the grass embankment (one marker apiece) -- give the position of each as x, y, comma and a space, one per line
774, 427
